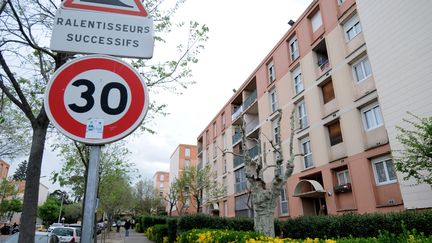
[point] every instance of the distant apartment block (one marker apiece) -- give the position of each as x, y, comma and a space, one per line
347, 97
161, 182
182, 159
4, 169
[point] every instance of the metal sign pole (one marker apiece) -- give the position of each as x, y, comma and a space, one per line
90, 196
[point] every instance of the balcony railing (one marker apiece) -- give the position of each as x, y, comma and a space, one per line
236, 137
253, 152
237, 113
240, 186
238, 160
249, 100
250, 126
324, 65
343, 188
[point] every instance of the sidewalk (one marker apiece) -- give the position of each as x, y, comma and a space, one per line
119, 237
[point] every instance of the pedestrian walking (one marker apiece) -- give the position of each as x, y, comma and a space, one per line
127, 227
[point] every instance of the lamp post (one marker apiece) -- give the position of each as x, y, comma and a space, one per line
61, 206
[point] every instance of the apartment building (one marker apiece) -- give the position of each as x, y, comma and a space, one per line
4, 169
321, 72
183, 157
399, 46
161, 182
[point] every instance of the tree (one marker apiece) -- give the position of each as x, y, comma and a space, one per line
415, 158
200, 186
20, 173
147, 200
7, 190
172, 197
49, 211
14, 205
73, 212
264, 193
27, 65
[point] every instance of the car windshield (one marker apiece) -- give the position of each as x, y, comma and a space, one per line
63, 232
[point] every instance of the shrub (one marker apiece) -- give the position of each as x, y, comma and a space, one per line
172, 229
220, 236
189, 222
157, 233
148, 221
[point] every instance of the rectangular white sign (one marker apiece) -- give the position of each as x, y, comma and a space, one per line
102, 33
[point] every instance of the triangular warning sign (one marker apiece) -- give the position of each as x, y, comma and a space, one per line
127, 7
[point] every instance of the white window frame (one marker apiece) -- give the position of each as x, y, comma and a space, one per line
302, 114
376, 116
225, 208
186, 164
225, 170
224, 141
162, 177
316, 21
187, 152
306, 154
352, 26
343, 177
275, 131
387, 161
340, 2
283, 202
271, 72
297, 80
273, 100
294, 50
361, 66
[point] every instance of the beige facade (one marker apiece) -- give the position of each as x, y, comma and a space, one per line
398, 39
183, 157
161, 182
4, 169
320, 70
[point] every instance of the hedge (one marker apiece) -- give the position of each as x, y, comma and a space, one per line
157, 232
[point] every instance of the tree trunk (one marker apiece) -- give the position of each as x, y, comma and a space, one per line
31, 193
263, 218
264, 205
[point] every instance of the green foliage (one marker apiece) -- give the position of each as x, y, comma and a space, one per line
356, 225
415, 159
195, 221
73, 212
146, 198
220, 236
49, 211
149, 221
157, 233
172, 229
20, 172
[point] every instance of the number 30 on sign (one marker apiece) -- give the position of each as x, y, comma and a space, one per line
96, 99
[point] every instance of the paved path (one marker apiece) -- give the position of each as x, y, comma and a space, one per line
133, 237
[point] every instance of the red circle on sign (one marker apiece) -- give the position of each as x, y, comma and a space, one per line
66, 123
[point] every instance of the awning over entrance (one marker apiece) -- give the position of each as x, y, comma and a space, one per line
309, 188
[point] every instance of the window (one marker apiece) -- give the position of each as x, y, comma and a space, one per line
186, 164
275, 131
343, 177
223, 121
271, 72
384, 170
298, 81
273, 100
207, 138
225, 203
225, 186
187, 152
335, 133
224, 141
240, 180
162, 177
340, 2
352, 27
372, 117
224, 165
283, 202
327, 92
307, 153
293, 47
214, 130
362, 69
214, 150
302, 116
316, 21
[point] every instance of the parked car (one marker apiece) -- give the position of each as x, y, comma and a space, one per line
40, 237
67, 234
54, 225
41, 228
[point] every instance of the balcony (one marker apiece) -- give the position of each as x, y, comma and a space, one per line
251, 125
324, 65
343, 188
240, 186
253, 152
238, 160
200, 165
237, 113
235, 138
249, 100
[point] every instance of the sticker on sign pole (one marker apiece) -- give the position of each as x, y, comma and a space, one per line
96, 99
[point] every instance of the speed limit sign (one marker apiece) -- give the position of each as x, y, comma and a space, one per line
96, 99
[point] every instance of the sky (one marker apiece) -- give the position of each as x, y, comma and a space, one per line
242, 33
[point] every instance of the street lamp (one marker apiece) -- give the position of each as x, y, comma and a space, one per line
61, 206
